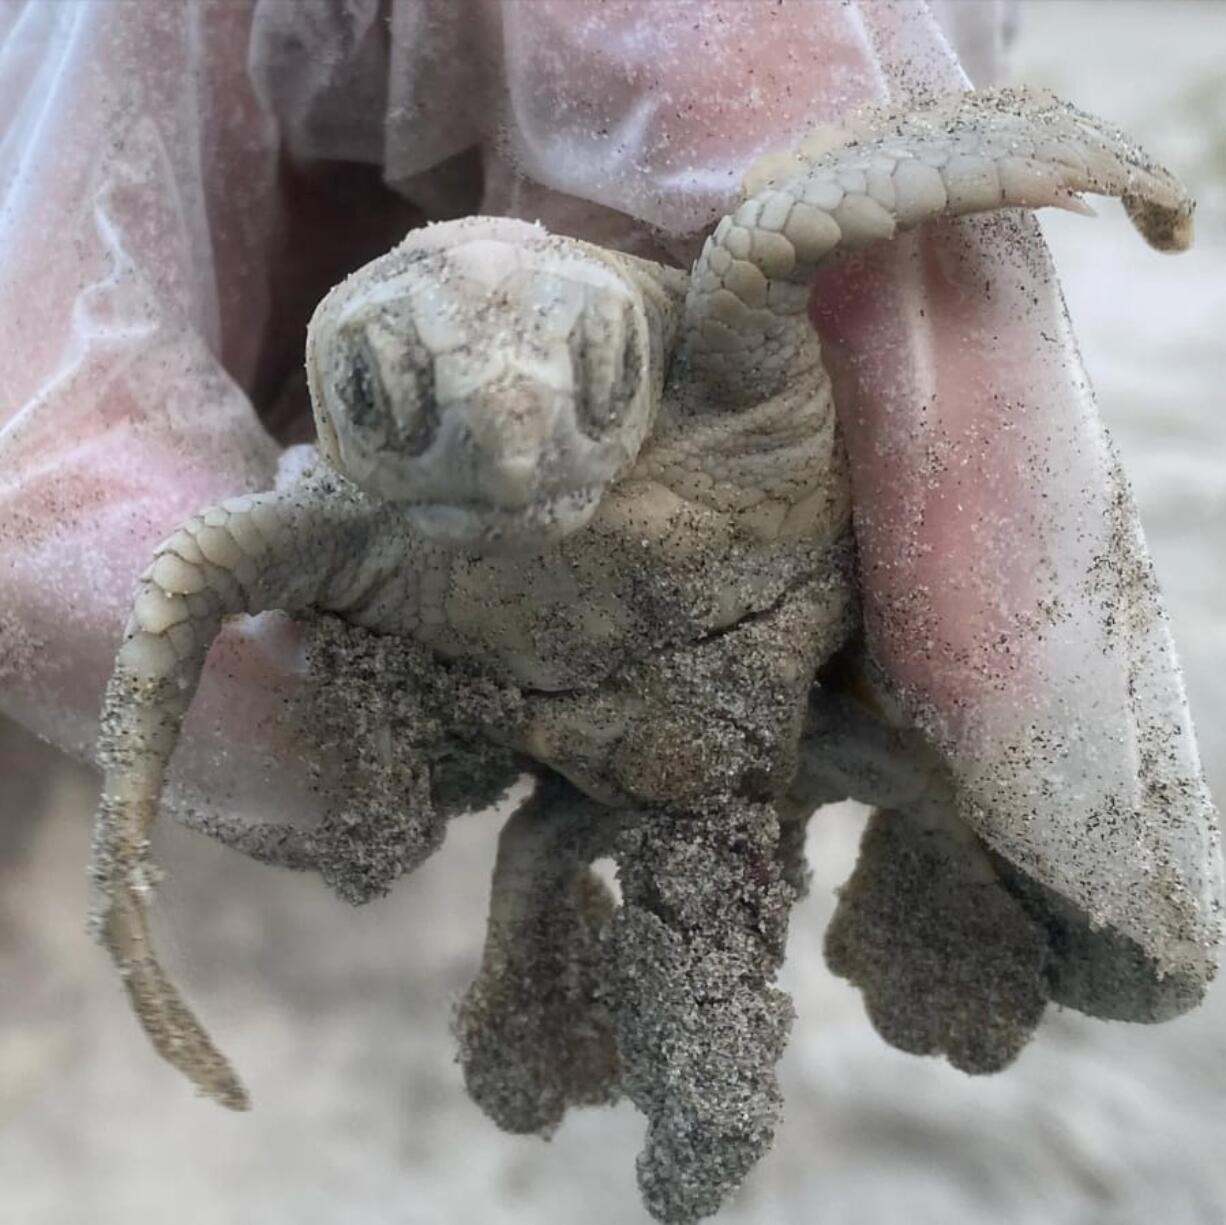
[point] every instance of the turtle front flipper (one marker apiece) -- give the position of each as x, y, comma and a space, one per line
969, 153
287, 551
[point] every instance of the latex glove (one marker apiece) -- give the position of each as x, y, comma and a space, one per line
134, 276
159, 257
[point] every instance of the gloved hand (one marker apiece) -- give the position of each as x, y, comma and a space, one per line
181, 183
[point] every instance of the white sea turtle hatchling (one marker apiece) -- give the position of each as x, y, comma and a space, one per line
590, 516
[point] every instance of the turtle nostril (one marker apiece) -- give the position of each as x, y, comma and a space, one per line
512, 480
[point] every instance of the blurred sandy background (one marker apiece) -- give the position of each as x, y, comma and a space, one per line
339, 1018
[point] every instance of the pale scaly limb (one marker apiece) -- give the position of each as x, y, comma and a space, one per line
748, 422
746, 331
289, 551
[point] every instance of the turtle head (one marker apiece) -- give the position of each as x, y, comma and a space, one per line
491, 379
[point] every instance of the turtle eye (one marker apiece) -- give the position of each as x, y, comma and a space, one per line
362, 393
395, 409
607, 365
630, 370
415, 411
